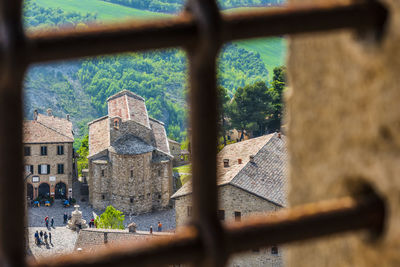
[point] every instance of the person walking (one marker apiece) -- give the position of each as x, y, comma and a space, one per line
50, 237
41, 234
159, 226
52, 222
37, 238
45, 238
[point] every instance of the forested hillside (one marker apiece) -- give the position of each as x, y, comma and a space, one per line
81, 88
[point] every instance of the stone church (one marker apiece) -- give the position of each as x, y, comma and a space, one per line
130, 164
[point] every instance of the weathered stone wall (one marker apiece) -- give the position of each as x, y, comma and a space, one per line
118, 107
162, 184
233, 199
175, 149
344, 122
53, 160
99, 136
138, 110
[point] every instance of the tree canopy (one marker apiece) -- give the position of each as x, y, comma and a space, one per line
110, 219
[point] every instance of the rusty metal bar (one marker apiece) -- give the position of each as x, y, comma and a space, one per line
358, 16
203, 120
286, 226
182, 248
183, 31
12, 67
308, 222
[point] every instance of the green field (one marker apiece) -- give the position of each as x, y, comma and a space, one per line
271, 50
106, 12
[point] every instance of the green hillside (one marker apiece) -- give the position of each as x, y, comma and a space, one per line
272, 50
105, 11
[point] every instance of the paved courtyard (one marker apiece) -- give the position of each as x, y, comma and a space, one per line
63, 239
143, 221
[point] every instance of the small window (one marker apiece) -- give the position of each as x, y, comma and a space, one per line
131, 173
148, 194
116, 124
173, 148
43, 150
60, 168
60, 150
29, 169
102, 172
238, 216
103, 197
189, 211
131, 199
159, 196
221, 215
27, 151
43, 169
274, 250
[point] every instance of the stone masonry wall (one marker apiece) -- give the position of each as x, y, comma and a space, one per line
344, 123
99, 136
233, 199
53, 160
118, 107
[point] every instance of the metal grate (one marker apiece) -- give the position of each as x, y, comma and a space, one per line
201, 30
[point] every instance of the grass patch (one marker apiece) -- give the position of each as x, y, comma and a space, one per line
185, 178
183, 169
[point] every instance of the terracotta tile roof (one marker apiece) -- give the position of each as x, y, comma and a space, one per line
264, 178
37, 132
60, 125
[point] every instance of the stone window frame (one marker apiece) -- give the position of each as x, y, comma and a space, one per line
60, 168
201, 30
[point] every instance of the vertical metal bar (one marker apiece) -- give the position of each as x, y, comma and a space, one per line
203, 103
11, 181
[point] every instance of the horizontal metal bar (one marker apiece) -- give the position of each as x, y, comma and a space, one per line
182, 30
285, 226
308, 222
185, 247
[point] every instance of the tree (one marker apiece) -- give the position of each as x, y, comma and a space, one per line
278, 86
223, 102
83, 152
110, 219
250, 108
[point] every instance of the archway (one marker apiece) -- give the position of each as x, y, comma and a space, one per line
29, 191
60, 191
44, 190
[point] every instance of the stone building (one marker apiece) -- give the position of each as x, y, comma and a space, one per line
251, 180
130, 164
48, 156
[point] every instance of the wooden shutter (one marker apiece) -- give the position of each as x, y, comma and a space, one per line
48, 169
39, 169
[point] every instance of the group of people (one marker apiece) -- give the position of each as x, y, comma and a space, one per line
159, 227
46, 222
39, 237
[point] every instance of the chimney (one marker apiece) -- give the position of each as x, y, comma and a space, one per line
35, 115
226, 163
67, 117
239, 161
49, 112
251, 158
